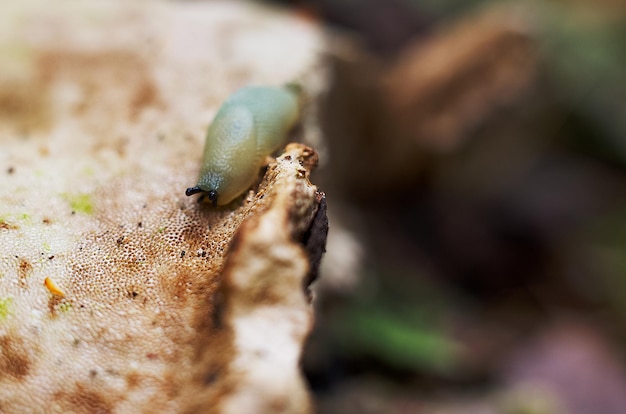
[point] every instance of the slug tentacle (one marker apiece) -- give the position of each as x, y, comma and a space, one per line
250, 125
192, 190
212, 195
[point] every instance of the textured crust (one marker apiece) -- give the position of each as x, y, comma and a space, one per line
170, 305
151, 299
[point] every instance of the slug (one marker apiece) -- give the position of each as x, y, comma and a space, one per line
250, 125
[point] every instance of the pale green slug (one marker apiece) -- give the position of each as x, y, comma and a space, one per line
251, 124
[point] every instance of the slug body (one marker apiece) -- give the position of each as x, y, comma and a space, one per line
251, 124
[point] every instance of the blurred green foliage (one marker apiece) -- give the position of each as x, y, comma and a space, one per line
397, 319
397, 340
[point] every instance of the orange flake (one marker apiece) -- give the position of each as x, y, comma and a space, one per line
52, 287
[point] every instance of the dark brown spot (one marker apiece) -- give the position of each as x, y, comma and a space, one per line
46, 220
53, 303
211, 376
23, 271
8, 226
82, 400
10, 170
14, 360
132, 380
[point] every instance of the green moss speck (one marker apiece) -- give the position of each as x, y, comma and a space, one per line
65, 307
9, 220
4, 218
5, 307
81, 203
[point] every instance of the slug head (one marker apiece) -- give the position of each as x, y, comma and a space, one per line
211, 194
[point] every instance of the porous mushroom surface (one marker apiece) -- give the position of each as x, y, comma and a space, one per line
117, 292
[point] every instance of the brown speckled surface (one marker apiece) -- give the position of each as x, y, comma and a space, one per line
104, 107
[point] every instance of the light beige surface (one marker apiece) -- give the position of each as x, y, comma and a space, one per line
103, 110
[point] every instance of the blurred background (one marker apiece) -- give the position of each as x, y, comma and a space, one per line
475, 174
